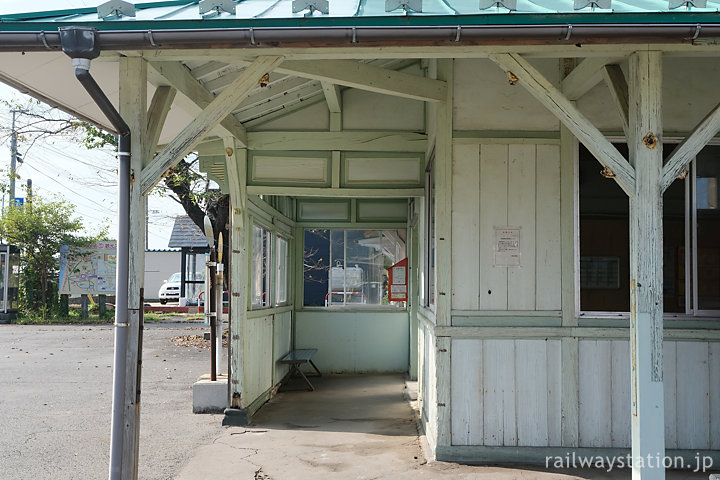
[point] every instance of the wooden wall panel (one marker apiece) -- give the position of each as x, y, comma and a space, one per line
493, 212
531, 392
670, 393
510, 185
554, 392
499, 375
505, 392
594, 428
714, 362
620, 394
521, 212
465, 227
282, 343
547, 228
693, 404
258, 357
467, 391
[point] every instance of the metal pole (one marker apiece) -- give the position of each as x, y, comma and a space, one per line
211, 298
219, 317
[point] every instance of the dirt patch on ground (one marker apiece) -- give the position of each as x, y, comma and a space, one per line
196, 341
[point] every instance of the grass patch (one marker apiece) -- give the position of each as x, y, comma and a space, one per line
30, 318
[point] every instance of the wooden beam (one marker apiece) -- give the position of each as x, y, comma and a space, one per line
646, 265
215, 112
157, 113
133, 108
584, 77
547, 94
336, 192
689, 148
359, 141
616, 83
180, 77
367, 77
333, 97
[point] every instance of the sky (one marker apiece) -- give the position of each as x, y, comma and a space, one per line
87, 179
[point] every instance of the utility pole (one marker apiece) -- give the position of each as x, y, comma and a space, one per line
29, 192
13, 157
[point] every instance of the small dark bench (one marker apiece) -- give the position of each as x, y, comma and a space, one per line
296, 358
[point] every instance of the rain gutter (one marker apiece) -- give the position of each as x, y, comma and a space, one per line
80, 45
309, 36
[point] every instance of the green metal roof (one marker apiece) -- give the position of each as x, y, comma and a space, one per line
185, 14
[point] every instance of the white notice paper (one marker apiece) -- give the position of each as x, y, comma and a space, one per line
507, 247
398, 275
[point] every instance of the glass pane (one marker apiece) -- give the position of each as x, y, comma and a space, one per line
194, 275
316, 265
281, 271
604, 239
258, 276
708, 228
351, 265
674, 229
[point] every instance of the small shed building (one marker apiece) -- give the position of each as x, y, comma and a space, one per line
548, 168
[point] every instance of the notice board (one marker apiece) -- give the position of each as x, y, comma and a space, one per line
398, 284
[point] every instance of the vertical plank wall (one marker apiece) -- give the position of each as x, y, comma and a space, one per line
267, 339
501, 185
692, 386
505, 392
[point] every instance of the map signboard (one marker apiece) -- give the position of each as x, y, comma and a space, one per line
89, 270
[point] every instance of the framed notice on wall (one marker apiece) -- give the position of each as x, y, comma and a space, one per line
398, 282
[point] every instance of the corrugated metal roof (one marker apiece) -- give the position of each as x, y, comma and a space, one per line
189, 11
186, 234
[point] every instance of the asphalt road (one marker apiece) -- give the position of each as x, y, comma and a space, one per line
55, 399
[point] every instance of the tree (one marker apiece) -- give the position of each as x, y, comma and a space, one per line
39, 229
183, 183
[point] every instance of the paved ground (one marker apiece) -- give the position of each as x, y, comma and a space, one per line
55, 419
56, 395
349, 428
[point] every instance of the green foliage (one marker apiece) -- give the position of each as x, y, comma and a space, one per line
39, 229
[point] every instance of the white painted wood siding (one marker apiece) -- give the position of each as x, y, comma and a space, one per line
505, 392
499, 185
692, 394
258, 369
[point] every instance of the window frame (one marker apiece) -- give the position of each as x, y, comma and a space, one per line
690, 257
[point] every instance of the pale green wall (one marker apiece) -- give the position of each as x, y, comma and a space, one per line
352, 342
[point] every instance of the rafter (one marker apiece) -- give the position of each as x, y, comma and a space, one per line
333, 97
180, 77
367, 77
584, 77
157, 113
215, 112
547, 94
616, 83
689, 148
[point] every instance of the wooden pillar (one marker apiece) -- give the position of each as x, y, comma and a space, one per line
443, 249
236, 165
569, 200
133, 109
414, 297
646, 268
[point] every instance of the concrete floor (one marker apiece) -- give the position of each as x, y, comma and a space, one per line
350, 427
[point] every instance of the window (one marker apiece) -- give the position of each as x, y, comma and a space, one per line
691, 229
260, 267
349, 267
428, 274
281, 271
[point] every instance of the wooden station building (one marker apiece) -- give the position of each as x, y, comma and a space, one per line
547, 167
